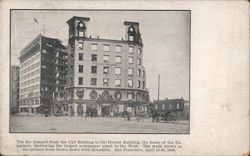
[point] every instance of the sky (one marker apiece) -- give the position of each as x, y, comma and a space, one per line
165, 36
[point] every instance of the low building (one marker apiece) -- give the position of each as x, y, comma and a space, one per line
14, 93
171, 106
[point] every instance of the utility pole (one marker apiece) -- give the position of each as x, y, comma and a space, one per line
159, 77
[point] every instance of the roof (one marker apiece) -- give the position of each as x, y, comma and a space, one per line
37, 40
78, 18
181, 100
131, 23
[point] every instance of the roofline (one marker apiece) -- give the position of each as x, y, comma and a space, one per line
131, 23
80, 18
32, 41
40, 36
113, 41
168, 100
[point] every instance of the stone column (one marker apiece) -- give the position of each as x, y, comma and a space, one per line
99, 109
133, 111
75, 109
84, 109
62, 110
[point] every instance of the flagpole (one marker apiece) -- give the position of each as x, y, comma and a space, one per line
43, 24
36, 21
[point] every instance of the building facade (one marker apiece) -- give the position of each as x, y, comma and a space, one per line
104, 75
43, 66
14, 93
170, 106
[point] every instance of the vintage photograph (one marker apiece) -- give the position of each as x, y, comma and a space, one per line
100, 71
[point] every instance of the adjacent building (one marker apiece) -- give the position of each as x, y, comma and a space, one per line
43, 66
103, 74
170, 106
14, 93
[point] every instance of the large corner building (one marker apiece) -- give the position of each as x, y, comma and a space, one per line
103, 74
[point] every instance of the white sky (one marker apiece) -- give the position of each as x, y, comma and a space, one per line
165, 36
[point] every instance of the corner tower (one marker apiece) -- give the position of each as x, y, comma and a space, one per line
132, 32
78, 27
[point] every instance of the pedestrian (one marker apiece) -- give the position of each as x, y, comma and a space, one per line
128, 116
46, 112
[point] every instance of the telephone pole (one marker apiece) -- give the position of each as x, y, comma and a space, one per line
159, 77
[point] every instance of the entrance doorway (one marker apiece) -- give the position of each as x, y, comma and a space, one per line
106, 110
79, 110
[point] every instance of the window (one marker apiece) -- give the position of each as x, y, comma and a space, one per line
44, 51
117, 82
163, 106
131, 38
139, 61
143, 74
130, 60
105, 70
170, 106
93, 81
93, 69
131, 49
80, 68
178, 106
93, 46
80, 45
80, 80
139, 51
143, 84
94, 58
138, 84
72, 55
118, 70
71, 67
118, 49
118, 59
81, 33
130, 71
130, 83
71, 81
138, 72
106, 58
106, 48
105, 82
80, 56
130, 96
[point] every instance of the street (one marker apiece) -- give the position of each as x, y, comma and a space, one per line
67, 124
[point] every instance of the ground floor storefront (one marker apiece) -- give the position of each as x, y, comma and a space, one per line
32, 109
99, 109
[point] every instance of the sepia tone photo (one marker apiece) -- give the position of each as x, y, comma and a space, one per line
100, 71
